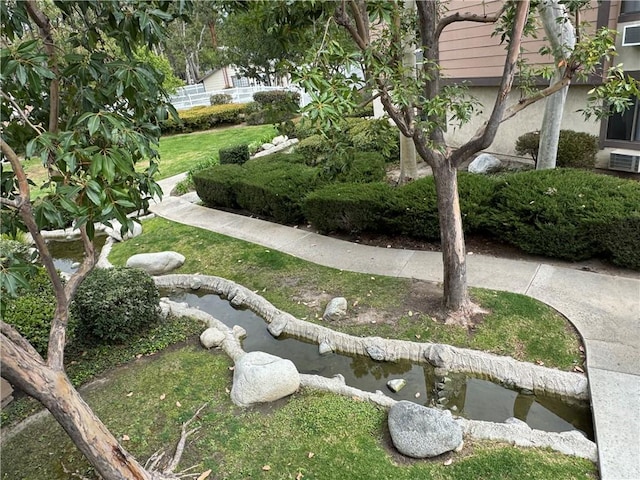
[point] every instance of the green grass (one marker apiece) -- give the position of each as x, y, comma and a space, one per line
180, 153
346, 437
517, 326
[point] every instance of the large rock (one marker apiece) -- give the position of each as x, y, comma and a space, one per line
422, 432
259, 377
157, 263
336, 309
484, 163
212, 337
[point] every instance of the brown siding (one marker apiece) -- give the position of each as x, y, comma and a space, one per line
467, 49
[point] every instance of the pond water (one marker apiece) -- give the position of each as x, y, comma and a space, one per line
67, 253
473, 398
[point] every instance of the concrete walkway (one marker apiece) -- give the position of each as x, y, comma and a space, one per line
604, 308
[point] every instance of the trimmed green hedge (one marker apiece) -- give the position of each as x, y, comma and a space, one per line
235, 154
568, 214
205, 118
575, 149
216, 186
349, 207
276, 189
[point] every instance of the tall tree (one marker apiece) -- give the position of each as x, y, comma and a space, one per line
91, 115
422, 105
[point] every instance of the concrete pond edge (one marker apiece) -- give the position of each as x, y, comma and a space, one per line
506, 370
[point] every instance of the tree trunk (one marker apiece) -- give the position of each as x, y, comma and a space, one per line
456, 297
408, 167
562, 37
55, 391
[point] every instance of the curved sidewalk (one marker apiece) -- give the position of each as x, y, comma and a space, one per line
604, 308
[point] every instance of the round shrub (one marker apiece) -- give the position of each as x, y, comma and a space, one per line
220, 99
235, 154
114, 304
32, 311
575, 149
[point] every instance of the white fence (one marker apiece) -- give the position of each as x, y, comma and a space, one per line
195, 95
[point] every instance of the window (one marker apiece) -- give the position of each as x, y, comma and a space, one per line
630, 6
625, 126
240, 81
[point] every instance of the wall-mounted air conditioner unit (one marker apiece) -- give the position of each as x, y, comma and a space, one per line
631, 35
625, 160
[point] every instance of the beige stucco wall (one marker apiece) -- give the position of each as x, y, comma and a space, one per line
216, 80
629, 56
526, 121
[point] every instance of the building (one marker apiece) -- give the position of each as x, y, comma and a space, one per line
469, 53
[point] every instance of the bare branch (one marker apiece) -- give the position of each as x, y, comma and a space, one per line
359, 11
525, 102
17, 108
183, 439
468, 17
11, 203
19, 341
485, 135
342, 18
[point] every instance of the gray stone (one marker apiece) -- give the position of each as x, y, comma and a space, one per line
212, 337
484, 163
517, 422
280, 139
277, 325
376, 352
157, 263
259, 377
325, 347
336, 309
422, 432
396, 384
267, 146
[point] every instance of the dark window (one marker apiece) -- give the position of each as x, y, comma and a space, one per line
240, 81
630, 6
625, 126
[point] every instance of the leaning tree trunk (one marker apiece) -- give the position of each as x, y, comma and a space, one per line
562, 36
456, 297
55, 391
408, 166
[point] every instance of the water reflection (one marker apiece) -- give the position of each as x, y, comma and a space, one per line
472, 397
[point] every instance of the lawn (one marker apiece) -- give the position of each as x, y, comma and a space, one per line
312, 435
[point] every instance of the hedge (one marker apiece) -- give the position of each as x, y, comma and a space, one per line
568, 214
216, 186
204, 118
276, 189
575, 149
236, 154
349, 207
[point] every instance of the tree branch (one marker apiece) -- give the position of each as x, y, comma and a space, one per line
361, 19
17, 108
19, 341
485, 135
11, 203
343, 19
525, 102
467, 17
44, 26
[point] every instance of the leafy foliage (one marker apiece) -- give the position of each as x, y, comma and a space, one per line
575, 149
115, 304
237, 154
220, 99
32, 310
275, 106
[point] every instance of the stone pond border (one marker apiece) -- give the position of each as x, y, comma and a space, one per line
506, 370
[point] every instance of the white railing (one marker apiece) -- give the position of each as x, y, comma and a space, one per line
186, 100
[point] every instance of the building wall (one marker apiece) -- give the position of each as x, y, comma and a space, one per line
527, 120
216, 81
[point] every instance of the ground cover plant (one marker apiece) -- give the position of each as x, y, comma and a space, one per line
310, 435
401, 308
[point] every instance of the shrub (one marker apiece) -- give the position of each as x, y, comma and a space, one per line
363, 167
204, 118
216, 185
476, 193
348, 207
414, 210
220, 99
374, 135
315, 148
114, 304
236, 154
619, 238
575, 149
563, 213
276, 189
276, 106
32, 311
305, 128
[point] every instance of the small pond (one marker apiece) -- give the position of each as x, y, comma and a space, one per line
474, 398
67, 253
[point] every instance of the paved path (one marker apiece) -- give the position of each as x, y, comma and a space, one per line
604, 308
